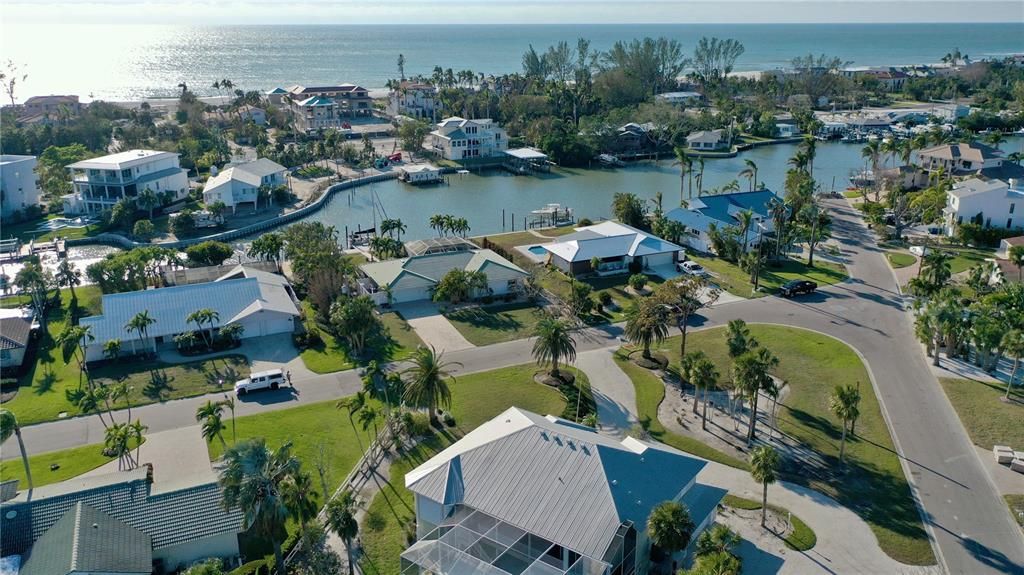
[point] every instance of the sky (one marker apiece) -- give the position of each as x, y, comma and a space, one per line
215, 12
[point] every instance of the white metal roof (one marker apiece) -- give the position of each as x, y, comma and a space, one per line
556, 479
122, 160
606, 240
251, 173
527, 154
974, 186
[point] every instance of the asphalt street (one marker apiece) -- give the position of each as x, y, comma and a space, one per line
970, 525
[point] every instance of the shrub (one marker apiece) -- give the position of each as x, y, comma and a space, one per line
581, 298
416, 424
143, 229
637, 281
449, 419
635, 267
584, 222
604, 297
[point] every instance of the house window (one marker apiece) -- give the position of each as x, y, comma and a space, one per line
5, 354
1009, 223
1011, 207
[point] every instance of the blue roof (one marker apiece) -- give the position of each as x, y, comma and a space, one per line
720, 209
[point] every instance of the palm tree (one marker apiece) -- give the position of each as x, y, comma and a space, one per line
354, 405
700, 175
844, 404
995, 139
252, 478
427, 381
68, 276
752, 374
685, 169
669, 527
1016, 257
147, 200
703, 374
745, 219
1012, 344
116, 442
341, 518
936, 268
300, 497
209, 415
554, 342
72, 342
810, 149
136, 431
201, 317
872, 151
750, 172
646, 324
9, 426
718, 539
437, 222
140, 323
229, 403
764, 463
112, 349
738, 338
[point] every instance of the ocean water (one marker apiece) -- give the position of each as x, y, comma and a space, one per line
134, 62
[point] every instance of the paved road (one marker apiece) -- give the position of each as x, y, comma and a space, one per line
970, 524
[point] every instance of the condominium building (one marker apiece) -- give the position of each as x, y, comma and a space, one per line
414, 99
19, 188
323, 107
100, 183
458, 138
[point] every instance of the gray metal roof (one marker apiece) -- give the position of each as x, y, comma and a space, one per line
556, 479
606, 240
86, 540
14, 332
432, 267
169, 518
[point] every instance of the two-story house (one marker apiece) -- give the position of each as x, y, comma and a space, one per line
722, 210
101, 182
989, 203
707, 140
240, 183
960, 159
414, 99
18, 184
458, 138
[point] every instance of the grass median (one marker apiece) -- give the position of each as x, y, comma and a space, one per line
988, 418
734, 280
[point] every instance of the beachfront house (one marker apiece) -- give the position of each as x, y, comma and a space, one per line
707, 140
48, 110
988, 203
414, 99
459, 139
119, 522
685, 99
414, 278
19, 187
616, 245
525, 493
253, 114
721, 210
101, 182
240, 183
261, 302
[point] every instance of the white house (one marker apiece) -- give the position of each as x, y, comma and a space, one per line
1004, 246
414, 99
616, 245
322, 107
721, 210
101, 182
414, 278
525, 493
15, 334
457, 139
989, 203
253, 114
419, 173
262, 303
706, 140
681, 98
18, 185
240, 183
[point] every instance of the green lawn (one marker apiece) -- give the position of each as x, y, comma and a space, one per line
900, 259
873, 485
557, 282
731, 278
42, 394
1016, 505
26, 231
71, 463
495, 324
333, 355
476, 398
966, 258
988, 420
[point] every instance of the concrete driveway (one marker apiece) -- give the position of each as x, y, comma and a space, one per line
434, 329
179, 458
669, 273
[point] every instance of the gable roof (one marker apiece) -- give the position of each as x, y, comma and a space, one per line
608, 239
313, 101
556, 479
168, 518
232, 299
969, 151
14, 332
721, 209
251, 173
432, 267
713, 136
86, 540
122, 160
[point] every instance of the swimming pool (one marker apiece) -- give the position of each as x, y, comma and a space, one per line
537, 250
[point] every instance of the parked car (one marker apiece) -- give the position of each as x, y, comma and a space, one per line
693, 268
797, 287
270, 379
919, 251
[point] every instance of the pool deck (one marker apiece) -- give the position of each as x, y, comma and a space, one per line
536, 258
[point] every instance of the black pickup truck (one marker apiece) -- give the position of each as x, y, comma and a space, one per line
797, 287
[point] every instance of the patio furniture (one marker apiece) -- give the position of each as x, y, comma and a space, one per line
1003, 454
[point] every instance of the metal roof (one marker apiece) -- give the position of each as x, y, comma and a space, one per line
169, 518
14, 332
251, 173
232, 299
720, 208
607, 240
527, 154
432, 267
556, 479
974, 186
122, 160
86, 540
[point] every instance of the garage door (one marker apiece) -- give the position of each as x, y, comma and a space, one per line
410, 294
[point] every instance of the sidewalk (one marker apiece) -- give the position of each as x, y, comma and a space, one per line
613, 392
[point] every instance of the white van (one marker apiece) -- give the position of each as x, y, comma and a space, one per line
270, 379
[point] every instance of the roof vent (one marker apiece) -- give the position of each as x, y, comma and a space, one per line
95, 525
544, 434
615, 481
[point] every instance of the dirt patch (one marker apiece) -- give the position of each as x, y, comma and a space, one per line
545, 378
656, 361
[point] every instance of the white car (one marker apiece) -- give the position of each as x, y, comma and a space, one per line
919, 251
270, 379
693, 268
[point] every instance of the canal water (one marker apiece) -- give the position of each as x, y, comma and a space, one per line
481, 198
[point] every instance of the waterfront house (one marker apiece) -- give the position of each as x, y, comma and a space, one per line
525, 493
240, 183
959, 159
316, 113
253, 114
615, 245
681, 98
707, 140
988, 203
457, 138
15, 334
101, 182
414, 99
49, 109
351, 101
262, 303
721, 210
414, 278
276, 96
419, 173
182, 522
19, 186
633, 139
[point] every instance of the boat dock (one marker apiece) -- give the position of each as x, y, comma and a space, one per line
14, 250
